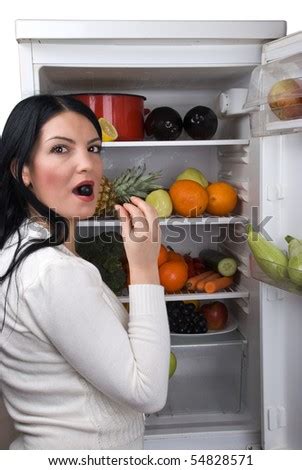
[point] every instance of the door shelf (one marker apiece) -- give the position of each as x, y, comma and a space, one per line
276, 275
175, 220
275, 97
234, 292
177, 143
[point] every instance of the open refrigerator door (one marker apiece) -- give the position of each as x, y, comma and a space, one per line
275, 103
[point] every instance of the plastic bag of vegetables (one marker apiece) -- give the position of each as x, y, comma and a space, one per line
268, 256
295, 260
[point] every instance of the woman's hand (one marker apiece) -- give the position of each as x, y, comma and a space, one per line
141, 236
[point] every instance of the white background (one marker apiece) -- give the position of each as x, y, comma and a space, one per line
288, 10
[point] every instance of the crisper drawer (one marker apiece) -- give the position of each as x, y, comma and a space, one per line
208, 378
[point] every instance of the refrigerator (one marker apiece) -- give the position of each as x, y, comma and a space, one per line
240, 388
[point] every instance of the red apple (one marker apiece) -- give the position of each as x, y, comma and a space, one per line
216, 314
285, 99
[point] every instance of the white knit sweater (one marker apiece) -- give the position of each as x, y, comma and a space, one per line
78, 371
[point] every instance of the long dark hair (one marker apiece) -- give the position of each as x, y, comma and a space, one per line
19, 136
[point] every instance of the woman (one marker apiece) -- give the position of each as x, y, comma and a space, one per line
77, 371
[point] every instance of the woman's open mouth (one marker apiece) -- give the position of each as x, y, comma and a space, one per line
84, 192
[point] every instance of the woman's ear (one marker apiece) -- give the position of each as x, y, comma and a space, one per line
25, 172
26, 175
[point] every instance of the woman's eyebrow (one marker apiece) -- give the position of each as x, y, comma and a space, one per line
72, 141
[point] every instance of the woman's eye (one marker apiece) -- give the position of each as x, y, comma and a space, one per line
59, 149
95, 149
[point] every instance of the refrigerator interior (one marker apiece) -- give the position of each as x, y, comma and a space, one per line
214, 399
216, 387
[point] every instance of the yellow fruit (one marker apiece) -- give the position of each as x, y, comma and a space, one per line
161, 201
195, 175
173, 364
109, 133
193, 301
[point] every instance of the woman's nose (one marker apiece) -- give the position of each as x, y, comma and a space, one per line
84, 159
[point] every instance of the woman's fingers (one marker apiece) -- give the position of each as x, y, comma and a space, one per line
149, 213
125, 220
148, 210
139, 217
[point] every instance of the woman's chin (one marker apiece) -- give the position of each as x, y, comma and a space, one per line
81, 215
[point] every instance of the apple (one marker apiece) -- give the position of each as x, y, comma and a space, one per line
195, 175
285, 99
160, 199
216, 314
173, 364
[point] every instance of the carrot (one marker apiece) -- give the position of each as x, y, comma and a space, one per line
217, 284
192, 281
200, 284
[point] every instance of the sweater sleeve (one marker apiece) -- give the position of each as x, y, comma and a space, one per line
69, 305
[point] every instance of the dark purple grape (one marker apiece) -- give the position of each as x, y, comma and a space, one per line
190, 307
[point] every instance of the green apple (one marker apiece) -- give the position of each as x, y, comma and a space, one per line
194, 175
160, 199
173, 364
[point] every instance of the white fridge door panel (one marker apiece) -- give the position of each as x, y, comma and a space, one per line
282, 48
281, 311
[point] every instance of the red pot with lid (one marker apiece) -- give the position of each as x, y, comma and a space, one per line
124, 111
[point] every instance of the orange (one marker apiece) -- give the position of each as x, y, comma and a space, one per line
189, 198
163, 255
173, 275
174, 256
222, 198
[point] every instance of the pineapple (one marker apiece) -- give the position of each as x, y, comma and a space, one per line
132, 182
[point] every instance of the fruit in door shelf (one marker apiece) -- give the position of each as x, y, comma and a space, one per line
173, 275
295, 260
216, 314
285, 99
268, 256
163, 123
161, 201
173, 364
222, 198
200, 123
109, 132
189, 198
195, 175
132, 182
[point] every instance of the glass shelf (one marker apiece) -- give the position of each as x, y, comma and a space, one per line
206, 219
177, 143
274, 274
234, 292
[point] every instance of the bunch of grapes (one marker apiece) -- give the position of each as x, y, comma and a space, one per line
185, 319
